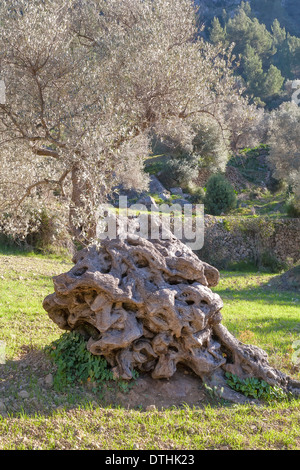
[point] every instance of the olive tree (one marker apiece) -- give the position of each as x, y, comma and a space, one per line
247, 123
87, 84
284, 140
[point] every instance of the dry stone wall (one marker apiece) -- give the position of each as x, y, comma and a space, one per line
230, 240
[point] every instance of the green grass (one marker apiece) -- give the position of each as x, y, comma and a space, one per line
258, 314
78, 418
24, 282
236, 428
249, 165
52, 252
271, 205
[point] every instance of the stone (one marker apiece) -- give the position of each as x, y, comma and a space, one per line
180, 201
23, 394
148, 201
147, 305
155, 186
35, 402
151, 408
48, 381
164, 196
176, 191
2, 406
41, 382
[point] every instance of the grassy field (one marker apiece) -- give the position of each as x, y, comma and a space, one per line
34, 415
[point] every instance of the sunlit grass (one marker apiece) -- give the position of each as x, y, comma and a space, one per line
258, 314
235, 428
24, 282
253, 311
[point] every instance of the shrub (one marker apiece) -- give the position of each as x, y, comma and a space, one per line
182, 168
269, 261
275, 185
220, 196
292, 207
75, 364
197, 194
255, 388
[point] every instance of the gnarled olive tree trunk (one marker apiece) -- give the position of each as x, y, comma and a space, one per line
148, 305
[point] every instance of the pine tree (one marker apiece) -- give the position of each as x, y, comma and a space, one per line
217, 33
273, 82
279, 33
253, 71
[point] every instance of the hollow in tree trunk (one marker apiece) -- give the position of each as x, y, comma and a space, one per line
148, 305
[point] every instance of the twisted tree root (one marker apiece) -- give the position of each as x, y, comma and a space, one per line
148, 305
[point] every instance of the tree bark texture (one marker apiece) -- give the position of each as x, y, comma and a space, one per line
148, 305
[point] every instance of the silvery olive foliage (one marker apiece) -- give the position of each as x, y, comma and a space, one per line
87, 83
248, 125
284, 140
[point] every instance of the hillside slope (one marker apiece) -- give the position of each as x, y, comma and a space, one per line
286, 11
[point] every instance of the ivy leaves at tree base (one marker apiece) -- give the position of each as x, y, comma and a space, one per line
75, 364
255, 388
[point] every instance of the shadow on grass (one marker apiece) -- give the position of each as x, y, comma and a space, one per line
29, 252
27, 391
8, 250
26, 387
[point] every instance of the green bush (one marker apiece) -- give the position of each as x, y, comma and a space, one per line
182, 168
255, 388
220, 196
271, 262
197, 194
292, 209
75, 364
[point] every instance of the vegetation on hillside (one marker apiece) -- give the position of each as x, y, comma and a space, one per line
266, 56
106, 77
94, 98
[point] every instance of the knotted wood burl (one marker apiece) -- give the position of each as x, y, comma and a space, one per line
147, 305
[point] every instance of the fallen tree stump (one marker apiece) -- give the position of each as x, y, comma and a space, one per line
147, 305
